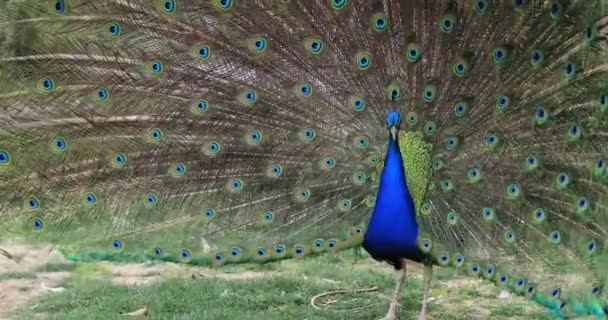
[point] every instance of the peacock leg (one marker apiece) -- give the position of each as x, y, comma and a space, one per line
428, 276
392, 310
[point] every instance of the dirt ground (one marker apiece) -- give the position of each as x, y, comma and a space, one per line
20, 290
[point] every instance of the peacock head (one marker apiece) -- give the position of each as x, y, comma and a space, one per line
392, 121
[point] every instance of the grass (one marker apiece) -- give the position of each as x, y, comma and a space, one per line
280, 290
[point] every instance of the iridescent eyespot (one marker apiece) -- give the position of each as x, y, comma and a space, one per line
218, 257
379, 22
58, 144
359, 178
429, 128
569, 70
302, 195
345, 204
235, 185
213, 148
393, 92
316, 46
298, 250
582, 205
499, 55
474, 175
503, 279
331, 244
318, 243
539, 215
426, 208
37, 224
444, 258
363, 60
113, 29
460, 67
151, 199
268, 216
540, 116
303, 90
474, 268
536, 58
235, 252
155, 67
460, 108
102, 94
370, 201
519, 4
308, 134
168, 6
491, 140
179, 169
58, 6
32, 202
279, 249
452, 218
555, 236
46, 84
328, 163
532, 163
275, 170
509, 236
413, 52
480, 6
357, 103
488, 214
362, 142
603, 103
119, 159
555, 9
185, 254
337, 4
5, 158
451, 143
458, 260
201, 51
591, 33
117, 244
257, 44
254, 137
411, 118
447, 23
562, 181
89, 198
428, 93
224, 4
155, 134
520, 282
200, 106
446, 185
489, 271
209, 213
513, 191
437, 164
502, 102
575, 133
158, 252
591, 245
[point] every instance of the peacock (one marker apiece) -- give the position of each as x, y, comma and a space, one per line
466, 134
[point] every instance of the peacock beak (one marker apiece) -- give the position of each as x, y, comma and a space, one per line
394, 132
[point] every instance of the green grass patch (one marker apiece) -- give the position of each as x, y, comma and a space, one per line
281, 290
17, 275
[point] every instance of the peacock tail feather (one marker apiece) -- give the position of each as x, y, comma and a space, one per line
224, 131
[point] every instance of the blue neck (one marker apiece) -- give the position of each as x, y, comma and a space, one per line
392, 231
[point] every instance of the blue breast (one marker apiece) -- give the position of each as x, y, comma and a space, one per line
392, 231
